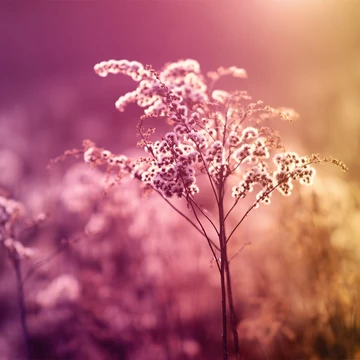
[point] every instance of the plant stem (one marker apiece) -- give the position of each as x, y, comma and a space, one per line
223, 296
21, 300
222, 241
225, 269
232, 310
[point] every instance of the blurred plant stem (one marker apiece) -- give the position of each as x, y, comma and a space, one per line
15, 259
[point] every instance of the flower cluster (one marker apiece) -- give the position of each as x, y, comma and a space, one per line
172, 169
183, 78
14, 246
10, 210
11, 214
120, 165
290, 166
215, 134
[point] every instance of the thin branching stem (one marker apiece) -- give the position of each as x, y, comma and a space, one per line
187, 219
208, 174
226, 119
232, 208
266, 193
242, 247
205, 215
250, 208
205, 234
40, 263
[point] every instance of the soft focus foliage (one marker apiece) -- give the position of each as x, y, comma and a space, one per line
303, 287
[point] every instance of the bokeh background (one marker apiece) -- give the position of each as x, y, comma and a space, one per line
141, 285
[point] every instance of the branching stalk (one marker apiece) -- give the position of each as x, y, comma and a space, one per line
225, 269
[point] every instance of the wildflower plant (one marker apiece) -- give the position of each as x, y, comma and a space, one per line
13, 221
221, 136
